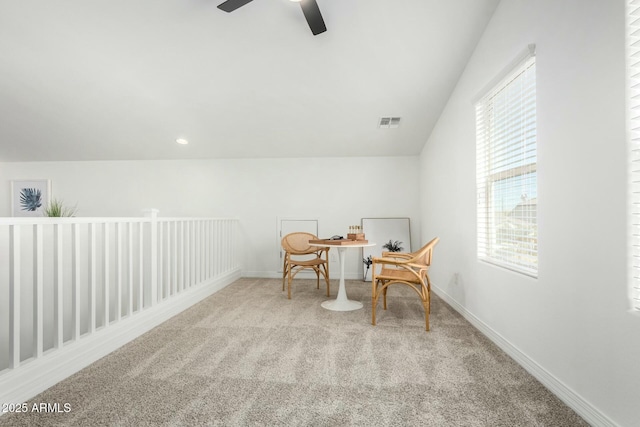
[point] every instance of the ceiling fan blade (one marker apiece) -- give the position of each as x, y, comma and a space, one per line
231, 5
314, 17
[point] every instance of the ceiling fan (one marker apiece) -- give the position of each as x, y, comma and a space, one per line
310, 10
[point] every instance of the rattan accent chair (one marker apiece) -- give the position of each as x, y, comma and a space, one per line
299, 255
409, 269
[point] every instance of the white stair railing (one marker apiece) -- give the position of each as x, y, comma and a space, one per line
105, 280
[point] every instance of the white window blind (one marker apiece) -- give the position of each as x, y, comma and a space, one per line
633, 120
506, 172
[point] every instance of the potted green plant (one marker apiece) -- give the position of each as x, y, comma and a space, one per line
57, 208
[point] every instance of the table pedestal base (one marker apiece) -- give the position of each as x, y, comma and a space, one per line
342, 305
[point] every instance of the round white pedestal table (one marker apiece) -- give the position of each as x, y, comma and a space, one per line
342, 303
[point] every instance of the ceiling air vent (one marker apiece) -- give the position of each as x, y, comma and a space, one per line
389, 122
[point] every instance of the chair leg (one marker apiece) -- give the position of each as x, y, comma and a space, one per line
374, 301
326, 273
426, 313
384, 297
284, 272
326, 279
426, 303
428, 290
289, 280
317, 269
428, 308
373, 312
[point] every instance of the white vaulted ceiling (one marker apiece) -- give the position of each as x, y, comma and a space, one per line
122, 79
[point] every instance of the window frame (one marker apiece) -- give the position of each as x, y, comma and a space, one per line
487, 228
632, 54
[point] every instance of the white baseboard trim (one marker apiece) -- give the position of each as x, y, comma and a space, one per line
35, 376
583, 408
301, 275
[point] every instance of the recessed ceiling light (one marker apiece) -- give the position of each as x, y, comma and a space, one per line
182, 141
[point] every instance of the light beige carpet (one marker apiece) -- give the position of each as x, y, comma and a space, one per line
249, 356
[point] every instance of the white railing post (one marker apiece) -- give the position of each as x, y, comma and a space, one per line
38, 289
161, 263
130, 276
234, 244
209, 248
140, 267
216, 248
92, 277
189, 258
174, 259
75, 247
58, 307
152, 214
107, 279
182, 270
118, 269
198, 251
14, 296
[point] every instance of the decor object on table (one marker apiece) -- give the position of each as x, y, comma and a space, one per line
57, 208
355, 233
29, 197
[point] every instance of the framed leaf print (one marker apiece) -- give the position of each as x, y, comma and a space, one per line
30, 197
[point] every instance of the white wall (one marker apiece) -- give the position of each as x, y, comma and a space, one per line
573, 321
337, 191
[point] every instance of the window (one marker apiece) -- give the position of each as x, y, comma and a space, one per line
633, 131
506, 169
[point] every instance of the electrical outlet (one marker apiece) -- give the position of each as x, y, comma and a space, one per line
333, 257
